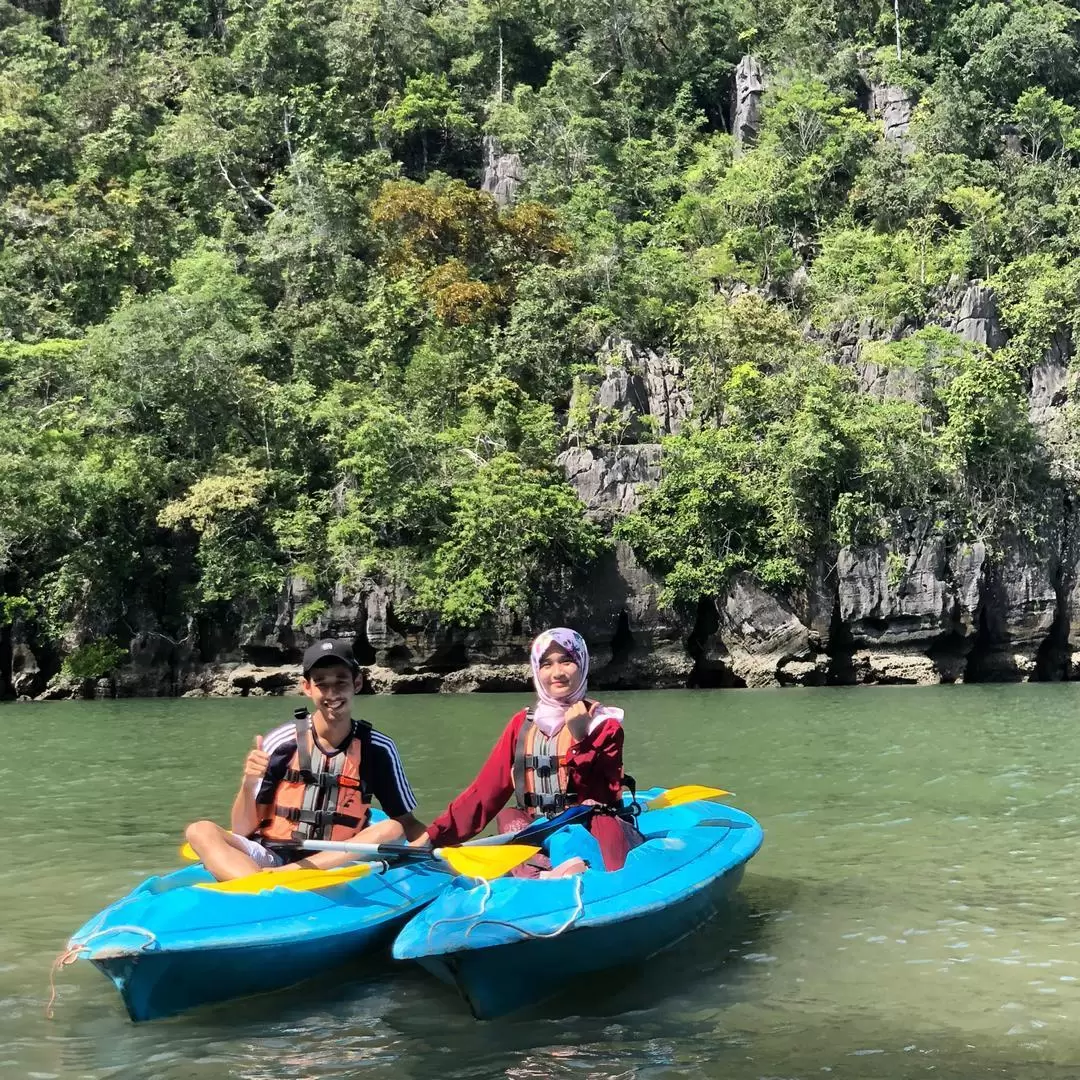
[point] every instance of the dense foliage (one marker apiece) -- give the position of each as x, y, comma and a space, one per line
257, 320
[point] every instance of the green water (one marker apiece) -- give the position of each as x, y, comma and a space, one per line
913, 911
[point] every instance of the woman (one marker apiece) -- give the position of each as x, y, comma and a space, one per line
563, 750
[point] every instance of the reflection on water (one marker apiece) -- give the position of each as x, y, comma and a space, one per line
913, 910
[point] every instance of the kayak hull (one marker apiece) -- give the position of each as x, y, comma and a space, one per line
168, 946
518, 942
491, 980
154, 985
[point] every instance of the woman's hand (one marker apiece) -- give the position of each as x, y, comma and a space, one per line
578, 717
422, 841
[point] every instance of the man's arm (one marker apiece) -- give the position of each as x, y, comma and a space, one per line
413, 827
244, 817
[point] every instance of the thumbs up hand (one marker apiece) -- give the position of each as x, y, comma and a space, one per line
256, 764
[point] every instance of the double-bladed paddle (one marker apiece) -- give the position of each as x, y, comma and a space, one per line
507, 850
485, 863
538, 831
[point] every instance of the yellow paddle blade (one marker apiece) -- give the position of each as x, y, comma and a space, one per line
188, 852
297, 880
676, 796
487, 862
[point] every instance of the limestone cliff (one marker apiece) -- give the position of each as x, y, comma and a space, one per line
914, 608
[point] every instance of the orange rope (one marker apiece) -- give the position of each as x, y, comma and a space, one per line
68, 956
73, 952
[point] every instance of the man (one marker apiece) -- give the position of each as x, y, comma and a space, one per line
312, 779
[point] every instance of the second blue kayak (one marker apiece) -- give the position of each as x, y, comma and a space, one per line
516, 941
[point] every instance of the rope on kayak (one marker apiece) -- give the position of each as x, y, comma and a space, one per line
73, 952
486, 895
579, 906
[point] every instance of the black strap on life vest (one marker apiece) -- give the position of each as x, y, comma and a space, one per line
321, 819
302, 722
543, 764
362, 731
319, 780
519, 760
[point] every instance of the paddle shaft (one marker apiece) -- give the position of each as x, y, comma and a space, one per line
542, 827
372, 850
533, 833
539, 830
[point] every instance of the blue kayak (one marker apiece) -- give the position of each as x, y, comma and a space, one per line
516, 941
169, 947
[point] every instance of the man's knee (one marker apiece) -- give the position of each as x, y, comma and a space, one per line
200, 833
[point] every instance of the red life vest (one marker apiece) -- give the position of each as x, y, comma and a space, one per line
322, 796
541, 780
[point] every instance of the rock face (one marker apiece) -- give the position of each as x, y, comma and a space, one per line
766, 640
1049, 385
746, 102
976, 318
641, 391
25, 676
503, 173
893, 106
611, 481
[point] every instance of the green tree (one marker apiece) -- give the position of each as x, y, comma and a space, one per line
1045, 122
517, 537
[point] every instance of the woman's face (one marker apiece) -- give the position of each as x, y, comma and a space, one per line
558, 672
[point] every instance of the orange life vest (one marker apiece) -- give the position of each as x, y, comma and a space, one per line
541, 780
322, 796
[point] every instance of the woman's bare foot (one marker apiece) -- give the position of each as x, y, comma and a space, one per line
566, 869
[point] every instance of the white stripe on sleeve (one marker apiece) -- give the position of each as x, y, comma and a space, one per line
278, 737
408, 799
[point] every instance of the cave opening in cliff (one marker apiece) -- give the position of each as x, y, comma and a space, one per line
363, 650
978, 669
448, 656
709, 671
622, 642
840, 648
1052, 658
993, 656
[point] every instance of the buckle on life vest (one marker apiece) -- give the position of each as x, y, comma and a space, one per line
543, 764
548, 804
324, 781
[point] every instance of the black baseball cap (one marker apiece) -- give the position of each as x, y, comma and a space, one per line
330, 649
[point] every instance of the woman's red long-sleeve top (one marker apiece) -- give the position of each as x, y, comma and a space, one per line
594, 771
